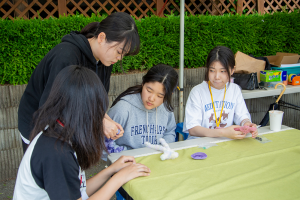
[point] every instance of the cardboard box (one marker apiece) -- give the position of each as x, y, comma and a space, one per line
283, 58
273, 75
245, 63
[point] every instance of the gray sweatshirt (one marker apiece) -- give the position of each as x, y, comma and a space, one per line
135, 118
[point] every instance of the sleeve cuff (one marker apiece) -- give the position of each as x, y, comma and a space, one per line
84, 195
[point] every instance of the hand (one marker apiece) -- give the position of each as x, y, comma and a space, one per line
111, 129
133, 171
121, 131
122, 162
229, 132
253, 133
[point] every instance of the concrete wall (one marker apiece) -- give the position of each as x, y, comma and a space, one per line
10, 141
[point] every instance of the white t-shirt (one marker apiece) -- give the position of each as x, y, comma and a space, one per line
199, 110
50, 170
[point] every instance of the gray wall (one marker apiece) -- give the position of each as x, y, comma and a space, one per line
10, 141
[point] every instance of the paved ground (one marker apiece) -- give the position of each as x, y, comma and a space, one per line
7, 187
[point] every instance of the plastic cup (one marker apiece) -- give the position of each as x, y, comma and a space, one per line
275, 119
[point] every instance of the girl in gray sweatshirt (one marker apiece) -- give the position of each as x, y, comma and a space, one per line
145, 111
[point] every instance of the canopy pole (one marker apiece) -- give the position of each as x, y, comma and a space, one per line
181, 64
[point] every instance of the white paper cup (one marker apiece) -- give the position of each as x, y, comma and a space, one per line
275, 119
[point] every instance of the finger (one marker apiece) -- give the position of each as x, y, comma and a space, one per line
239, 137
115, 137
107, 135
239, 133
146, 169
254, 134
113, 131
143, 174
118, 136
129, 159
111, 134
120, 128
142, 167
126, 164
143, 170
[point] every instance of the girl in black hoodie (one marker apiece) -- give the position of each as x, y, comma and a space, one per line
98, 46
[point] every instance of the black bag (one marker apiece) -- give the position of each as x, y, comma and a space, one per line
267, 66
246, 81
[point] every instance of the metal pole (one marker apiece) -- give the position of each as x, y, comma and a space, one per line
181, 64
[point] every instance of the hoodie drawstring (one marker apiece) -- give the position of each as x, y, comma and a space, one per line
147, 125
155, 125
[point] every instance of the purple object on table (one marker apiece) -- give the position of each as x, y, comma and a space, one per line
109, 143
199, 156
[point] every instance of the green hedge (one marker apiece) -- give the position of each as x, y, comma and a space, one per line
25, 42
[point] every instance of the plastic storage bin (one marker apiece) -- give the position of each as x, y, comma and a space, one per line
290, 70
272, 84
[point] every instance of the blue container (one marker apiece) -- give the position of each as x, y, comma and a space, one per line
290, 70
178, 131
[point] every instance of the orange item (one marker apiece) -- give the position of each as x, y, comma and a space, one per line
295, 81
285, 82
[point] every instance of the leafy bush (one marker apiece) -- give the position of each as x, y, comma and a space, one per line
25, 42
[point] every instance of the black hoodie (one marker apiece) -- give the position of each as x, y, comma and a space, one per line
74, 49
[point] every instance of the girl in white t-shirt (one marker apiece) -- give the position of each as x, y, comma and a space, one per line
206, 119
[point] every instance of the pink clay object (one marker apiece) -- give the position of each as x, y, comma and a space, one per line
245, 129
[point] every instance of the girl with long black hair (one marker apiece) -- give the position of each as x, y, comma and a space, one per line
145, 111
98, 46
68, 137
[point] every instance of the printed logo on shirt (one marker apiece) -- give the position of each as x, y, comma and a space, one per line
142, 131
218, 105
82, 180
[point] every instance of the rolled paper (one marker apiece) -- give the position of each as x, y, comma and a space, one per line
199, 156
167, 152
155, 147
164, 143
169, 155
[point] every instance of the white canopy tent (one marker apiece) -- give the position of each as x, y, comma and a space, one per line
181, 64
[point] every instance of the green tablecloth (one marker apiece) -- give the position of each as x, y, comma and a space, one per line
237, 169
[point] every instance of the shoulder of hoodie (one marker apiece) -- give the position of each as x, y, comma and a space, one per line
66, 50
122, 107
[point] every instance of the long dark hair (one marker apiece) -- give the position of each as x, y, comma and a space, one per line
161, 73
118, 27
222, 54
79, 101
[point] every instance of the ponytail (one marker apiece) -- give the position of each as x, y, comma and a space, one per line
118, 27
89, 30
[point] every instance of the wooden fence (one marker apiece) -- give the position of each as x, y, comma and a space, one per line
139, 8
